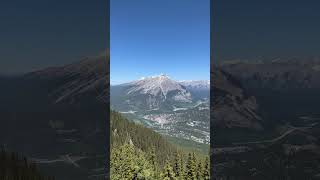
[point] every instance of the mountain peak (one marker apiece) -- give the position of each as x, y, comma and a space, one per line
160, 77
159, 85
163, 75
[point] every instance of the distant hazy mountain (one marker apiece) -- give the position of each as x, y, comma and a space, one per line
196, 84
199, 88
277, 74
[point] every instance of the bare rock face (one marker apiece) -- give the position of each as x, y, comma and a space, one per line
150, 93
161, 86
232, 107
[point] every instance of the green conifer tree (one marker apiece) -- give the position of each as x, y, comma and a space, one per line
177, 165
182, 166
190, 168
153, 162
168, 173
206, 169
199, 172
127, 162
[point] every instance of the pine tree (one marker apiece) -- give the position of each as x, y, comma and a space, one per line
190, 168
182, 165
127, 162
206, 169
168, 173
176, 165
194, 158
153, 161
199, 171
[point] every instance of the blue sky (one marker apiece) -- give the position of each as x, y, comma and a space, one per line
272, 28
36, 34
150, 37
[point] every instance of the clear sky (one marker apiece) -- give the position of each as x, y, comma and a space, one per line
36, 34
269, 28
150, 37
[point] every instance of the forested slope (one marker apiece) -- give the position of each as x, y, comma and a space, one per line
140, 153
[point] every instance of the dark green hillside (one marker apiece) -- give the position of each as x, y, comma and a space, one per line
141, 137
140, 153
14, 166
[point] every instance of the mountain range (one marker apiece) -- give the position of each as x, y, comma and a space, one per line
179, 109
266, 119
56, 117
156, 92
258, 109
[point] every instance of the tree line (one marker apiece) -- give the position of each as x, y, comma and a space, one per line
129, 162
140, 153
14, 166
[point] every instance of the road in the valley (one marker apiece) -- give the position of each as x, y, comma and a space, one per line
289, 131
